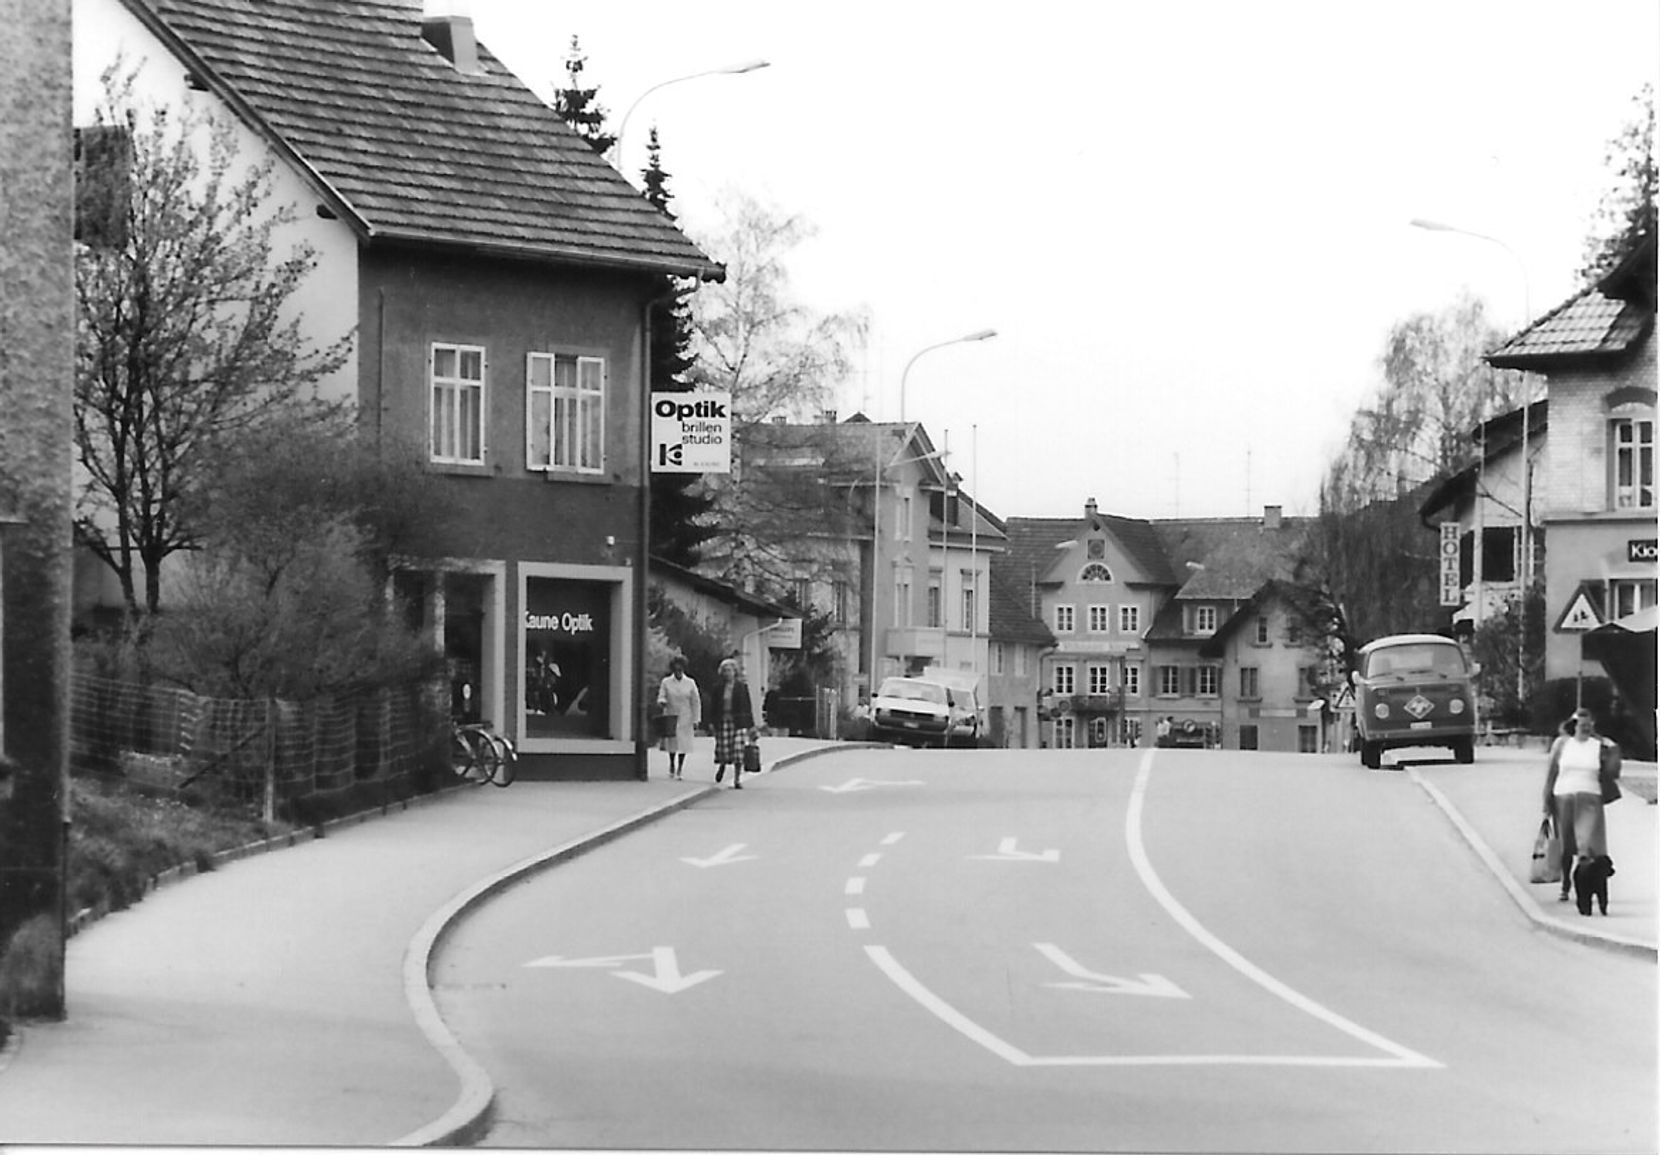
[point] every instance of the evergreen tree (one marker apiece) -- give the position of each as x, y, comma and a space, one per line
1626, 212
680, 502
579, 107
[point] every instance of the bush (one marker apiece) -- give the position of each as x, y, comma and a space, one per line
31, 969
1554, 701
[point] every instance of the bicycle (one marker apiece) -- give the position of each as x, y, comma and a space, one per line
478, 754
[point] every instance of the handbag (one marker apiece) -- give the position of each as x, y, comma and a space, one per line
752, 759
1608, 772
1547, 854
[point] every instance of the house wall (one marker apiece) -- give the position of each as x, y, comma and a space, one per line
558, 552
1282, 706
1589, 540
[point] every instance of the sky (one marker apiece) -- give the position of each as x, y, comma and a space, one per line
1186, 222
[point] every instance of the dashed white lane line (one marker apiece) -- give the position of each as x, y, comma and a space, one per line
855, 885
857, 918
869, 861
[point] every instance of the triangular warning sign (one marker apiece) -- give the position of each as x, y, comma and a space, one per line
1581, 614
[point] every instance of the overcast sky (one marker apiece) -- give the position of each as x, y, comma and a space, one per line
1186, 221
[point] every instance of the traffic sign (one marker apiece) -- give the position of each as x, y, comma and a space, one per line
1581, 614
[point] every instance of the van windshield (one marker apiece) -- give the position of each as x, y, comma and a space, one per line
1426, 658
913, 691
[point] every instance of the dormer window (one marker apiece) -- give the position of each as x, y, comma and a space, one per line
1095, 572
1203, 619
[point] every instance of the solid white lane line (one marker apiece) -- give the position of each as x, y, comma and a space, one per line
854, 886
857, 918
943, 1010
1150, 879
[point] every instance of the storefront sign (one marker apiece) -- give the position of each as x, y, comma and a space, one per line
1451, 589
1642, 550
691, 433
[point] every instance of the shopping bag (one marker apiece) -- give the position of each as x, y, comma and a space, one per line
752, 759
1608, 772
1547, 854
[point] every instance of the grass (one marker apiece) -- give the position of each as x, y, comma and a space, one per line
121, 838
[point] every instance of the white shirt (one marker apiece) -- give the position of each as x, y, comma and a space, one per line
1577, 766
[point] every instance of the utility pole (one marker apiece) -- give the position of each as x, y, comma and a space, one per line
37, 350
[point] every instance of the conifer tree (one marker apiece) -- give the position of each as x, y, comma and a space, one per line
679, 501
580, 107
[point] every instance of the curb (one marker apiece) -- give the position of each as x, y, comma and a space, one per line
468, 1117
1520, 896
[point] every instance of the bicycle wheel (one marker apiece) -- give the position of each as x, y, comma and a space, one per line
463, 754
489, 759
506, 761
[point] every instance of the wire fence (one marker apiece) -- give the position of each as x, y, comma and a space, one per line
290, 759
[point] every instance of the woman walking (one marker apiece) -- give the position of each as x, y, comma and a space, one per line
732, 716
1573, 796
678, 696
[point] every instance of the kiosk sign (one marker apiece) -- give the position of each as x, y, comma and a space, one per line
691, 433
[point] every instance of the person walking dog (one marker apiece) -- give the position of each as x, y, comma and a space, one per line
678, 696
732, 717
1578, 778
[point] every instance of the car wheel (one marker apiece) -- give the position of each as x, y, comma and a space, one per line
1370, 754
1465, 750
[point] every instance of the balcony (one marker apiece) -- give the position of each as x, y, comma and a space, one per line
914, 642
1097, 703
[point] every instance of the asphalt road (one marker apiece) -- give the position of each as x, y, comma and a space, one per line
987, 950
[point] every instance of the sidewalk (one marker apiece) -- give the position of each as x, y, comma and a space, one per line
1497, 804
281, 1000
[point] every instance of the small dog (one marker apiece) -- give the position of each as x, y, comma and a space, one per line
1591, 882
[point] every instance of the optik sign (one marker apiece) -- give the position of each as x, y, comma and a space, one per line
691, 433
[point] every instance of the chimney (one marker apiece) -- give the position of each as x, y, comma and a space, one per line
828, 417
1270, 517
452, 35
1089, 509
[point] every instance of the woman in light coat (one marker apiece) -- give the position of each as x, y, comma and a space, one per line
678, 695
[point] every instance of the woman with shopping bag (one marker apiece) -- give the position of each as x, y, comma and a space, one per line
680, 709
732, 717
1579, 776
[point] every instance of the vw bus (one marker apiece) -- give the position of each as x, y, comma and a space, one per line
1414, 690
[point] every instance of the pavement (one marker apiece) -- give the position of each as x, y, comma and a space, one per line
283, 998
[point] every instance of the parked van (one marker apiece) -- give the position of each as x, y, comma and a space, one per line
1414, 690
967, 705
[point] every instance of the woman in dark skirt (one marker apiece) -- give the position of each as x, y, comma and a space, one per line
732, 718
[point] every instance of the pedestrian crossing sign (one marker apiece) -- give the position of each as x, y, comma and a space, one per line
1581, 614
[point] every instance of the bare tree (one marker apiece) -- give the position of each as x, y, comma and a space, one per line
184, 327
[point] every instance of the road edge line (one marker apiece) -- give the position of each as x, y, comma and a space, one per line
1523, 900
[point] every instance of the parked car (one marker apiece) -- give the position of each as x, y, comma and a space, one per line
963, 691
911, 710
1414, 690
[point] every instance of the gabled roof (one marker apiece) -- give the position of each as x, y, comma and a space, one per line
1228, 559
1010, 606
1606, 319
1298, 599
720, 591
1499, 436
1034, 545
406, 147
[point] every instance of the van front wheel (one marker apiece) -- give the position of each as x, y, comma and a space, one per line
1464, 750
1370, 754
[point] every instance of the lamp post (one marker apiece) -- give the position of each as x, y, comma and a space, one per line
977, 335
1527, 454
728, 70
877, 470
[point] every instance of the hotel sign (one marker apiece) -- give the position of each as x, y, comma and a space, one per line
1452, 591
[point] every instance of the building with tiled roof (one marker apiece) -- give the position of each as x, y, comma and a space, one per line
492, 275
1594, 493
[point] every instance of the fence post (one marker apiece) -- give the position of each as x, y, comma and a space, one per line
268, 808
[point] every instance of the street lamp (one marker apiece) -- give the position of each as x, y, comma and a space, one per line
977, 335
1527, 452
729, 70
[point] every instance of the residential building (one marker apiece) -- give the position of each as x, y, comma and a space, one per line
1485, 499
494, 273
1595, 493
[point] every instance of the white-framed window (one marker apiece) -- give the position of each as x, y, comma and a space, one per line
1066, 678
1262, 629
1100, 619
902, 518
1132, 680
1020, 661
1170, 680
1250, 682
1066, 732
1095, 572
565, 412
1129, 620
839, 598
902, 596
1204, 619
1627, 597
1100, 677
1066, 617
456, 376
802, 588
936, 600
1633, 463
998, 656
1207, 679
971, 619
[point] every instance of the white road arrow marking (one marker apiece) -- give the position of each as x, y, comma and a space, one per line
854, 785
1155, 986
1006, 852
665, 975
723, 858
